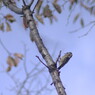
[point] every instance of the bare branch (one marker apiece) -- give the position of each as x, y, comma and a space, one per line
31, 3
4, 47
87, 31
58, 57
72, 10
25, 67
42, 62
24, 2
12, 7
36, 5
80, 28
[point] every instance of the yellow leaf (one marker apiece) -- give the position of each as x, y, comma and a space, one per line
18, 55
8, 27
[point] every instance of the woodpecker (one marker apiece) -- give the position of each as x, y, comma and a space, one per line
64, 59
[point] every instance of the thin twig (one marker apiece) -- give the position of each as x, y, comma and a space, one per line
68, 18
4, 47
36, 5
76, 30
25, 68
87, 31
64, 3
58, 56
31, 2
42, 62
24, 2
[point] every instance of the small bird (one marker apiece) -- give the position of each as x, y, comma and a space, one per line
64, 59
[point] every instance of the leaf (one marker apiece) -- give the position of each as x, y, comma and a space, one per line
17, 60
11, 61
82, 22
55, 18
18, 55
8, 69
57, 7
73, 1
51, 19
38, 7
39, 18
76, 18
8, 27
47, 12
55, 1
2, 27
10, 18
1, 4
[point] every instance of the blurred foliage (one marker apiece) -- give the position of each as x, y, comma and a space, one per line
46, 9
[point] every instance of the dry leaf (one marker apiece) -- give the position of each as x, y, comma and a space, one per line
8, 69
73, 1
39, 18
38, 7
51, 20
82, 22
57, 7
10, 18
55, 18
11, 61
18, 55
8, 27
2, 27
55, 1
76, 17
16, 60
47, 12
1, 4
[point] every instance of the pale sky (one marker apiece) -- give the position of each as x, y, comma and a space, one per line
78, 75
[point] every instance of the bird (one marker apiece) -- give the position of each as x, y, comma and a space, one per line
64, 59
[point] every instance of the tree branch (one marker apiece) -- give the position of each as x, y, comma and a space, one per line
31, 2
34, 34
4, 47
12, 7
24, 2
35, 5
